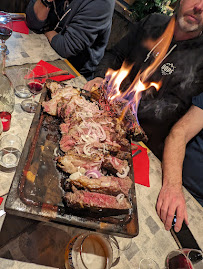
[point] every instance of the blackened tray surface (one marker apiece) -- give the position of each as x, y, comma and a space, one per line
37, 188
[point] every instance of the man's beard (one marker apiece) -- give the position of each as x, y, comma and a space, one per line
186, 26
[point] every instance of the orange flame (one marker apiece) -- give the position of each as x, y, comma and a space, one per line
159, 48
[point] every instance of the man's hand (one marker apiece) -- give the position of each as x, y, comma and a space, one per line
94, 82
50, 35
171, 201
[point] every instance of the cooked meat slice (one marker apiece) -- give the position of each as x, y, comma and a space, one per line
51, 106
104, 184
53, 86
123, 155
70, 163
88, 199
114, 164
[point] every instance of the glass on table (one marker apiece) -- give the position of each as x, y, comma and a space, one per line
123, 243
185, 259
10, 150
22, 80
90, 251
148, 263
6, 26
35, 86
7, 97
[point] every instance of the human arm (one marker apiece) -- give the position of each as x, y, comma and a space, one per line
171, 198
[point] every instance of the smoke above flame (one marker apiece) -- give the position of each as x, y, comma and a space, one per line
133, 94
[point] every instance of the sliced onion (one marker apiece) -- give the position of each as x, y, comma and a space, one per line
56, 152
125, 172
93, 174
120, 197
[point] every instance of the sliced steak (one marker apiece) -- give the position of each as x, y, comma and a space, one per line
104, 184
86, 199
71, 162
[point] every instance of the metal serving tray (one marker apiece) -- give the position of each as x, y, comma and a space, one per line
37, 188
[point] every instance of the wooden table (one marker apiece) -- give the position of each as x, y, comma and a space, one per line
43, 243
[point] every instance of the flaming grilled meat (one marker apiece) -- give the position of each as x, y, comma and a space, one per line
96, 150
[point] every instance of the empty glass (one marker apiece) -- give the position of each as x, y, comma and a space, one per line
148, 264
10, 150
24, 76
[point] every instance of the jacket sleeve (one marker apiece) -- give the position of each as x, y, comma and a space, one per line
83, 29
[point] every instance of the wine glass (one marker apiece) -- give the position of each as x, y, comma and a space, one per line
148, 264
22, 79
184, 259
6, 26
35, 85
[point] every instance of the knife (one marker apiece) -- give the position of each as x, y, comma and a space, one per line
54, 74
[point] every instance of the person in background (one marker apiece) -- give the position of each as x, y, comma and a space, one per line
14, 6
182, 165
77, 30
181, 70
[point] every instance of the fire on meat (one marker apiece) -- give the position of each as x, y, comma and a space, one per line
95, 151
94, 143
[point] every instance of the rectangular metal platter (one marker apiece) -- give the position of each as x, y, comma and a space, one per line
37, 188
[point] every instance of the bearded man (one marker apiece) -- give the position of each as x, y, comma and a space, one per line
180, 71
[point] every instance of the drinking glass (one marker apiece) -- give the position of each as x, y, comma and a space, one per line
90, 251
35, 86
148, 264
6, 26
122, 242
22, 80
185, 259
10, 150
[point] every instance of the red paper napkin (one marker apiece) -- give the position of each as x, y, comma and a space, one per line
20, 27
1, 200
141, 167
51, 68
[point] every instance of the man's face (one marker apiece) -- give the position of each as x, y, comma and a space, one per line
190, 15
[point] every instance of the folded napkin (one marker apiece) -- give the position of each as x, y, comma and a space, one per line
51, 68
1, 200
20, 27
141, 166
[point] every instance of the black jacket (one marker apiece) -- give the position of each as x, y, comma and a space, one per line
82, 34
181, 73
